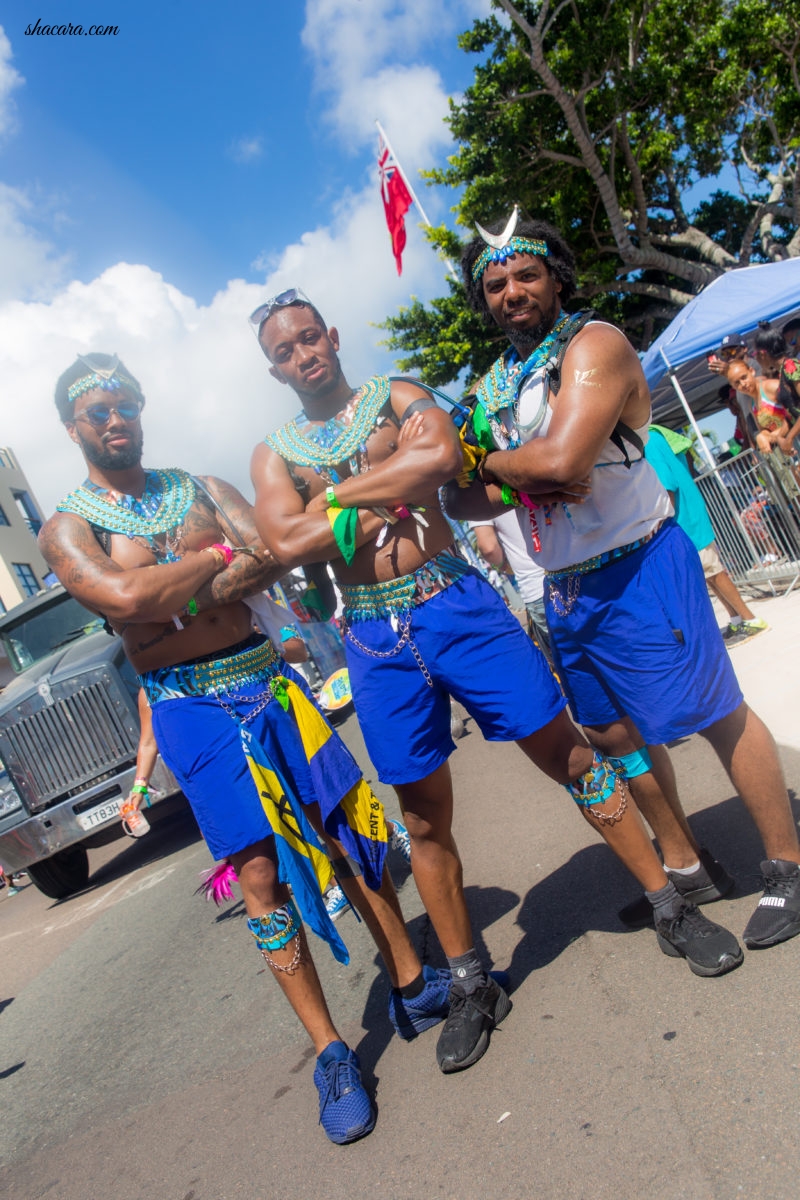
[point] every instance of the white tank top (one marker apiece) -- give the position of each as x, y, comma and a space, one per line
626, 503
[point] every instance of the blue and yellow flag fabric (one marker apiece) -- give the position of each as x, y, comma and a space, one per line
302, 862
350, 811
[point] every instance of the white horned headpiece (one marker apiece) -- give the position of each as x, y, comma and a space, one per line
500, 246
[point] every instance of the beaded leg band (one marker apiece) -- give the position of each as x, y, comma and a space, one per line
596, 786
275, 930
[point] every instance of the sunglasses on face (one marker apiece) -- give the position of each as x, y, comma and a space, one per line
99, 415
283, 300
728, 352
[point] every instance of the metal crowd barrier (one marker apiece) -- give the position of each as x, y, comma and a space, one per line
754, 506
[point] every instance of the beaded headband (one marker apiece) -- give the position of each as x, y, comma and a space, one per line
516, 245
500, 246
108, 379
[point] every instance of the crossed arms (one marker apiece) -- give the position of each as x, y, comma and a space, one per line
152, 593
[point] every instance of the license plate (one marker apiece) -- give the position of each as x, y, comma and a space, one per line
101, 814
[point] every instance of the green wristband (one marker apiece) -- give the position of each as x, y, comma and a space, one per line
140, 788
330, 498
509, 496
191, 607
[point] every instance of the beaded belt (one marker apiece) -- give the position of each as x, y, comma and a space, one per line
211, 676
564, 604
602, 560
368, 601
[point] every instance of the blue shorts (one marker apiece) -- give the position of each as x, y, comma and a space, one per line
642, 641
200, 744
475, 650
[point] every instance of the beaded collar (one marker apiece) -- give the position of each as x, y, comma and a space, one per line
335, 441
167, 497
499, 388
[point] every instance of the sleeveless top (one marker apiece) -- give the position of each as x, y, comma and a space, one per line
626, 503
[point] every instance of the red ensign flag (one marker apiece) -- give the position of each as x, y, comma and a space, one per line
396, 201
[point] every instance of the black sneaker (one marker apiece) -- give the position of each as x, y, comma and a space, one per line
777, 917
708, 948
710, 883
465, 1035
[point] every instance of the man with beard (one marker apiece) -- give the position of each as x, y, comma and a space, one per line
354, 479
168, 560
634, 638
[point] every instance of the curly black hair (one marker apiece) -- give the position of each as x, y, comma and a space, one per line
79, 368
560, 262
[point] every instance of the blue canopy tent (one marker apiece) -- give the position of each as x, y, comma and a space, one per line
675, 366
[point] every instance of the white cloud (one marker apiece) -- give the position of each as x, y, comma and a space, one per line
351, 44
30, 266
210, 396
10, 79
246, 149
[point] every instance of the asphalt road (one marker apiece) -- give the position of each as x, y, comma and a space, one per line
146, 1053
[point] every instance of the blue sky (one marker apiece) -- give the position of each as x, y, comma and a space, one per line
155, 185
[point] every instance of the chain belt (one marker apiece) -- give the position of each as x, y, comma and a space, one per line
395, 599
565, 604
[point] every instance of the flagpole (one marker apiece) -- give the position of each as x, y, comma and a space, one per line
413, 194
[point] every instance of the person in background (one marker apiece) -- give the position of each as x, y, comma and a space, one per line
665, 450
769, 350
791, 335
9, 879
501, 543
134, 822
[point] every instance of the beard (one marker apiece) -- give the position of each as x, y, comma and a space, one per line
113, 460
525, 341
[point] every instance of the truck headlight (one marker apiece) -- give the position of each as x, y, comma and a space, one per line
10, 801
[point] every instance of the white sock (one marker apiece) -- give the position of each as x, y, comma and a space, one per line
683, 870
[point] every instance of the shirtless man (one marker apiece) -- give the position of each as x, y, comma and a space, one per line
634, 637
151, 551
354, 479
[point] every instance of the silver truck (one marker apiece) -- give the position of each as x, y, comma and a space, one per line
69, 731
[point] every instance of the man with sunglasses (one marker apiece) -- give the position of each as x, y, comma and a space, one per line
344, 482
152, 552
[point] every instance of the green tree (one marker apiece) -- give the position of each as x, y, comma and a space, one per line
598, 115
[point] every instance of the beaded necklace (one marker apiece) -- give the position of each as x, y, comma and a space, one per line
498, 402
167, 497
340, 439
500, 387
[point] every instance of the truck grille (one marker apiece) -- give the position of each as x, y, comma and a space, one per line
73, 741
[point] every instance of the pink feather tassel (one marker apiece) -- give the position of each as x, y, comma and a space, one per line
216, 883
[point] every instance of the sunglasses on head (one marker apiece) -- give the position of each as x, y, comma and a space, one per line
99, 415
283, 300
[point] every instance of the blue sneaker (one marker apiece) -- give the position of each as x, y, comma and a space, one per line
400, 840
336, 902
345, 1110
412, 1017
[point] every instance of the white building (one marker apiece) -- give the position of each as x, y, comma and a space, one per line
22, 568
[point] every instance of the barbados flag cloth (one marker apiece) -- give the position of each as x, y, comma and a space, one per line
350, 811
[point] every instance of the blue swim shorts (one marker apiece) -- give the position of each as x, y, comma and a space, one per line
474, 650
200, 743
641, 641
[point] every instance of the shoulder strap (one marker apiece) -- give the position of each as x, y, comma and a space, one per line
459, 413
553, 365
622, 433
